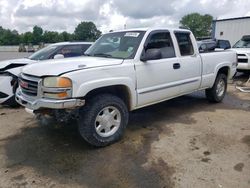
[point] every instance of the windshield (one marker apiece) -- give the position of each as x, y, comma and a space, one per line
121, 45
242, 44
44, 53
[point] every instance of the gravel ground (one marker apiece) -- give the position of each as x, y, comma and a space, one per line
184, 142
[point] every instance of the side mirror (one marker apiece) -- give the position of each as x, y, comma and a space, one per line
151, 54
58, 56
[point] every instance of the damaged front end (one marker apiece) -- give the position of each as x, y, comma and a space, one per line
8, 86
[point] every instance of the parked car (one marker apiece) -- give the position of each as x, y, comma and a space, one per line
242, 48
211, 45
10, 69
124, 71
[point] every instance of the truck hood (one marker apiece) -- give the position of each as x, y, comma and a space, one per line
61, 66
241, 50
13, 63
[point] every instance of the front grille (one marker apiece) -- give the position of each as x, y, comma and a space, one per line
29, 84
242, 58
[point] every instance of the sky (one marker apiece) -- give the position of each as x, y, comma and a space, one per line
64, 15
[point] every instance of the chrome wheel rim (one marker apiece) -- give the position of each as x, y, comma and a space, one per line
220, 88
108, 121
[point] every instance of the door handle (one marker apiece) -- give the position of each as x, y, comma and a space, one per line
176, 65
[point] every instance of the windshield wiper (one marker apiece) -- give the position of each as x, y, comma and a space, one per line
102, 55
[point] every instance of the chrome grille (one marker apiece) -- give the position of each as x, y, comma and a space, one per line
242, 58
29, 84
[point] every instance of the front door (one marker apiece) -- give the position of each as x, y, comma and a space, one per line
157, 79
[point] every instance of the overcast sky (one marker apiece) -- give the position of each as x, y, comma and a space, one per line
60, 15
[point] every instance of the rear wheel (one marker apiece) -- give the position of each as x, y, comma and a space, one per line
218, 91
103, 120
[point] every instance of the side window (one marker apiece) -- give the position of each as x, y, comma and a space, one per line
85, 47
163, 42
223, 44
203, 48
71, 51
185, 43
211, 46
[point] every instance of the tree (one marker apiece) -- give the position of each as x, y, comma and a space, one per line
27, 38
199, 24
66, 36
37, 34
86, 31
52, 37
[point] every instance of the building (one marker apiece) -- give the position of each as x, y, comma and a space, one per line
231, 29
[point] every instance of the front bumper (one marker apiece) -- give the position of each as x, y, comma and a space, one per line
33, 103
243, 66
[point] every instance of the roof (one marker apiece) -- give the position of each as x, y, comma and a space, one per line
70, 43
229, 19
151, 29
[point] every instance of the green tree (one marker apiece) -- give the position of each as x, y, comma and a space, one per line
199, 24
27, 38
86, 31
37, 34
66, 36
52, 37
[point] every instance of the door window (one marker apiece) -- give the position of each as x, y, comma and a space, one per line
85, 47
185, 43
163, 42
71, 51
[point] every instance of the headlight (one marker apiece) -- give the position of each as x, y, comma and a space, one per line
57, 87
60, 82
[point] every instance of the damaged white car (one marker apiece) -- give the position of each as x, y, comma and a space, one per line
10, 69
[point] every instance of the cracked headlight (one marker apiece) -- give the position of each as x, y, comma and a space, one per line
57, 87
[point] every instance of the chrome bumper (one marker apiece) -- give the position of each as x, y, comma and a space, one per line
39, 103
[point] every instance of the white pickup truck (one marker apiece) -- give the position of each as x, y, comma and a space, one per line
123, 71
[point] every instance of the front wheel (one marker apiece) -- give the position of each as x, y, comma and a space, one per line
218, 91
103, 120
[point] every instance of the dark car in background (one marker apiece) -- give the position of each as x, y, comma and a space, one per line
210, 45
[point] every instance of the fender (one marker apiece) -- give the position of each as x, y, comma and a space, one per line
218, 67
15, 71
86, 87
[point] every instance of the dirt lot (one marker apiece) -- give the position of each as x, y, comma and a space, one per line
185, 142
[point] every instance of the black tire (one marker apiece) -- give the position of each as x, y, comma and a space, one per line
88, 114
212, 93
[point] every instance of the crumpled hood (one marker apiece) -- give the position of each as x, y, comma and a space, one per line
59, 66
8, 64
241, 50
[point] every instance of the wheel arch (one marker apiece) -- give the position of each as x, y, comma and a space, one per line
122, 91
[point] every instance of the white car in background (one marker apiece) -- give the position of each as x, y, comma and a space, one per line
242, 48
10, 69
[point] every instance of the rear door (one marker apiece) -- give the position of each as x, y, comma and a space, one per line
156, 79
190, 63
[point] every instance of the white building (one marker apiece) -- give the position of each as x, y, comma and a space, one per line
231, 29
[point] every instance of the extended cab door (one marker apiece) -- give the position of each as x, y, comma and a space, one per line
156, 79
190, 62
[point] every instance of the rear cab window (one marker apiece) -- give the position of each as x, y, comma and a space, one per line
185, 44
161, 40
